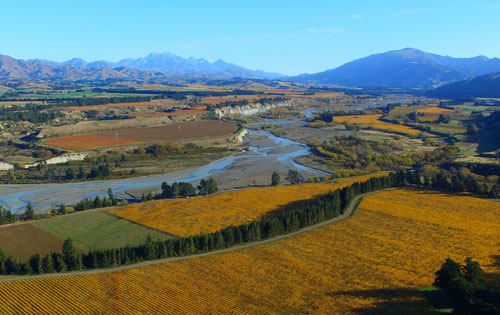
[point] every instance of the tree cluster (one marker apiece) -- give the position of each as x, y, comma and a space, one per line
33, 113
466, 287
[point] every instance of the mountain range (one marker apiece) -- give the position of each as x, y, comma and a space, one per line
405, 68
154, 67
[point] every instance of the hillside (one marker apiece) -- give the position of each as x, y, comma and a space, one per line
406, 68
482, 86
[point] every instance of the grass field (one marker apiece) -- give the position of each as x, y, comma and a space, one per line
186, 217
374, 122
23, 240
97, 229
373, 263
172, 132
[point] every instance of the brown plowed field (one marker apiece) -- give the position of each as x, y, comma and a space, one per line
25, 239
174, 132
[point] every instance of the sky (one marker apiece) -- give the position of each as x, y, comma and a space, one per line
288, 37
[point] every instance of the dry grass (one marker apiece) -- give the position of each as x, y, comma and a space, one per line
373, 263
184, 217
374, 122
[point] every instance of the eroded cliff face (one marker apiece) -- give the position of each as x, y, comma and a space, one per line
250, 109
61, 159
5, 166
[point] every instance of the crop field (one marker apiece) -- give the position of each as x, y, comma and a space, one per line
374, 262
23, 240
97, 229
186, 217
450, 129
430, 112
85, 142
172, 132
374, 122
435, 110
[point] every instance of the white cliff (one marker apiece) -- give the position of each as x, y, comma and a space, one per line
6, 166
61, 159
250, 109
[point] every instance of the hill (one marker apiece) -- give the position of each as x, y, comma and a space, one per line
406, 68
481, 86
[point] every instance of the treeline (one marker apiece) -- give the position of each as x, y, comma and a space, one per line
175, 94
6, 216
176, 190
328, 115
322, 209
33, 113
455, 183
89, 101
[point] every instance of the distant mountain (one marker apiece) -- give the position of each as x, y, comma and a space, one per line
169, 63
406, 68
172, 64
154, 67
482, 86
43, 70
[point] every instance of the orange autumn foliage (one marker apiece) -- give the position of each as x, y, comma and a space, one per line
374, 122
184, 217
374, 262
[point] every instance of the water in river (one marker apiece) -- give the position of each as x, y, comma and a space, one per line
45, 196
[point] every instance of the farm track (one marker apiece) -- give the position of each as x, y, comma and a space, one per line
347, 214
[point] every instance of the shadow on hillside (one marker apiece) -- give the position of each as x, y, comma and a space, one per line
394, 301
493, 280
291, 206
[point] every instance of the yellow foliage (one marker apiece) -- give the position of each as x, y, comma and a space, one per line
435, 110
374, 262
184, 217
374, 122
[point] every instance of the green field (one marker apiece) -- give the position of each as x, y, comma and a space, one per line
97, 229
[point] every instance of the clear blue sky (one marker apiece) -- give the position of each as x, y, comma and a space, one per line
289, 37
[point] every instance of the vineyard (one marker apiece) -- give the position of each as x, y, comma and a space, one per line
209, 214
373, 121
374, 262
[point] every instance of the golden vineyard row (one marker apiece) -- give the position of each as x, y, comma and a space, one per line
377, 259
